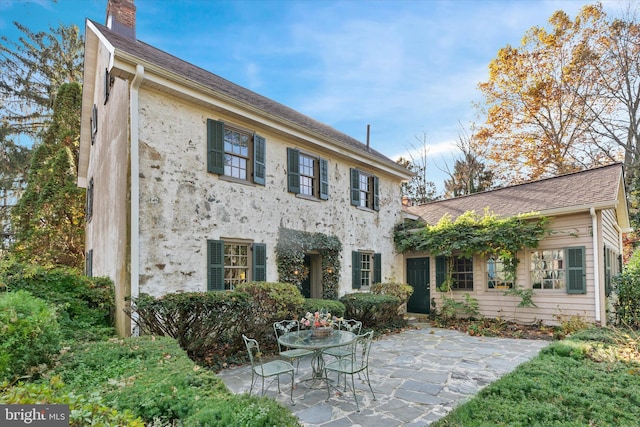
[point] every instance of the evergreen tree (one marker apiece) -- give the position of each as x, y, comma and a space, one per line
49, 218
32, 70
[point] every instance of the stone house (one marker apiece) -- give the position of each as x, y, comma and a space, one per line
193, 182
570, 272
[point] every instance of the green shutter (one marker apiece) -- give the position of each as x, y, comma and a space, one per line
356, 268
259, 159
88, 268
576, 271
376, 196
293, 170
107, 85
377, 268
324, 179
355, 187
259, 262
441, 270
215, 147
215, 265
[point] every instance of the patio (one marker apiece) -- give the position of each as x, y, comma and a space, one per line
418, 376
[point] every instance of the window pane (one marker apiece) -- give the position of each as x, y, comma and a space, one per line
547, 269
236, 147
236, 264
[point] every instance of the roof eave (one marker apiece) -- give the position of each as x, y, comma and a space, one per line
126, 63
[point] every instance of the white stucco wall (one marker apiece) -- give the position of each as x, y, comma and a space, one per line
107, 231
182, 205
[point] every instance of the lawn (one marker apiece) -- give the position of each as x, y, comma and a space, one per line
591, 378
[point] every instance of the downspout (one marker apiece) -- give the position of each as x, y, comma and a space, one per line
135, 192
596, 261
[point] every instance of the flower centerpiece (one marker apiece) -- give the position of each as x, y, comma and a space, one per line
321, 322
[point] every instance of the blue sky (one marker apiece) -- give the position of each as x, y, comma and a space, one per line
407, 68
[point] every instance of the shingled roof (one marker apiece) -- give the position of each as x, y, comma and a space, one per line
150, 54
601, 188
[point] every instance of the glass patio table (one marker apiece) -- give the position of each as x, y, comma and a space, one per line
305, 339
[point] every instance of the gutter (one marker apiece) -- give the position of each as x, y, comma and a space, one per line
135, 191
596, 261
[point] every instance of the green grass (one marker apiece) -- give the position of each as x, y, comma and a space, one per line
590, 379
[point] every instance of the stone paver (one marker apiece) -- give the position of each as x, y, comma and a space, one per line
418, 376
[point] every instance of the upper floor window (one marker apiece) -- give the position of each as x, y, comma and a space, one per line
235, 153
307, 175
364, 190
497, 277
367, 269
559, 269
233, 262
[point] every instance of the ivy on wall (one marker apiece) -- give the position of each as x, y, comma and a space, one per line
290, 251
471, 234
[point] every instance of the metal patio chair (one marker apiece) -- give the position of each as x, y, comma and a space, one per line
351, 325
285, 326
261, 369
357, 363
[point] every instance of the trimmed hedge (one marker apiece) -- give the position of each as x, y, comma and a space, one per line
334, 307
272, 301
153, 378
83, 411
203, 323
375, 311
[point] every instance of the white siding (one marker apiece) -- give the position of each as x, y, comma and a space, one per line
553, 306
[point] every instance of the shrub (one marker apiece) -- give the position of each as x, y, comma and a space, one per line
203, 323
243, 410
401, 290
312, 305
153, 378
29, 333
627, 289
272, 301
85, 305
83, 411
374, 311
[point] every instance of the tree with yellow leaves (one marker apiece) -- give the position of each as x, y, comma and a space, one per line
566, 99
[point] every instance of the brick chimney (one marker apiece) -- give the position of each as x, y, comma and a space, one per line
121, 17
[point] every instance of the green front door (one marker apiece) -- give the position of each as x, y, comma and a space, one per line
418, 278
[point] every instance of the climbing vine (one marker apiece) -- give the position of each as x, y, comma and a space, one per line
471, 234
290, 250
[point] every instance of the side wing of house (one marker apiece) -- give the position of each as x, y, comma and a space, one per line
569, 272
104, 171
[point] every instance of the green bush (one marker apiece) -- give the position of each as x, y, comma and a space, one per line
272, 301
153, 378
207, 325
627, 289
311, 305
401, 290
85, 305
29, 333
83, 411
243, 410
373, 310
